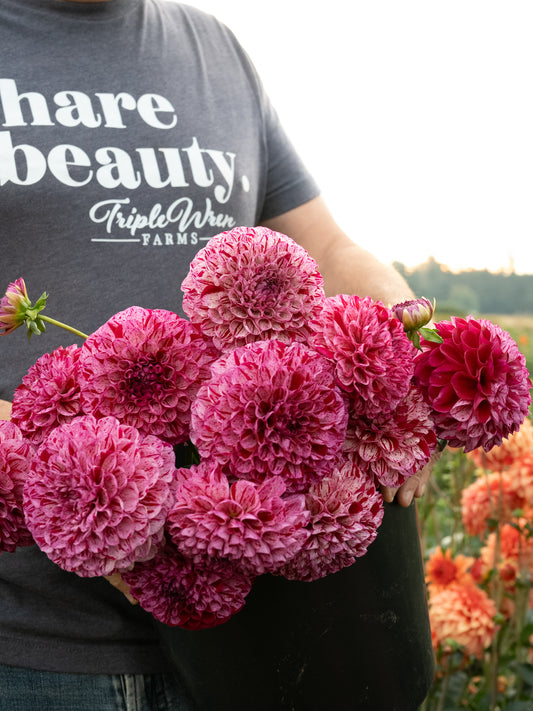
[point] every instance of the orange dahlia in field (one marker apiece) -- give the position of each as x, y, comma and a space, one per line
511, 450
515, 552
442, 570
465, 614
521, 473
491, 496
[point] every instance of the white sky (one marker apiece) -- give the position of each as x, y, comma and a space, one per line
416, 118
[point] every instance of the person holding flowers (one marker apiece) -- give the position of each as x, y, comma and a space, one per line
136, 141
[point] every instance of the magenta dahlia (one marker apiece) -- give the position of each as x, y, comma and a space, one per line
251, 525
346, 511
144, 367
97, 495
180, 594
252, 284
271, 409
475, 381
15, 459
49, 394
372, 355
394, 446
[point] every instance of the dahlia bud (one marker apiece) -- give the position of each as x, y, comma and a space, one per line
16, 309
415, 313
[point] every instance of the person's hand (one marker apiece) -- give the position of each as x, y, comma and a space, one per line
414, 487
117, 582
5, 410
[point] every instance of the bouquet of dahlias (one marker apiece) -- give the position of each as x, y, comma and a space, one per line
191, 455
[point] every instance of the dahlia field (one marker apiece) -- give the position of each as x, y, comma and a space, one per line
190, 455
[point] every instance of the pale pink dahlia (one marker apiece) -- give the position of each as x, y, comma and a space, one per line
373, 356
475, 381
394, 446
49, 394
97, 495
179, 594
252, 284
144, 367
15, 459
250, 525
272, 410
346, 511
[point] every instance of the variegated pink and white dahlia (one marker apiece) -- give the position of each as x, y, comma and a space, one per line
49, 394
271, 409
15, 459
372, 355
144, 367
97, 495
252, 284
253, 526
346, 511
394, 446
475, 381
180, 594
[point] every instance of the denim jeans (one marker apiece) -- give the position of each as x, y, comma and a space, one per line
28, 690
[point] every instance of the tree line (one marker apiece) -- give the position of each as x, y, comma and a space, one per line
472, 291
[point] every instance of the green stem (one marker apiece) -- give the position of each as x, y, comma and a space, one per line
63, 325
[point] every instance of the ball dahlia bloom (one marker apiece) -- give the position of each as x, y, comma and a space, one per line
250, 525
372, 355
510, 451
393, 446
252, 284
271, 409
346, 511
144, 367
443, 570
180, 594
492, 496
49, 394
464, 613
15, 459
475, 381
97, 495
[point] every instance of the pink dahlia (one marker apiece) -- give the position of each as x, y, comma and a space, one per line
144, 367
250, 525
179, 594
252, 284
15, 459
372, 355
346, 511
271, 409
49, 394
393, 446
475, 381
97, 495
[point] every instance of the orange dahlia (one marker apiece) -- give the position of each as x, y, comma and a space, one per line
512, 449
491, 496
465, 614
442, 570
521, 472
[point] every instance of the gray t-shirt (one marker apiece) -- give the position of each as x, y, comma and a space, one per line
131, 131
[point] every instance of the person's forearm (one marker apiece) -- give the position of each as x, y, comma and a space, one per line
5, 410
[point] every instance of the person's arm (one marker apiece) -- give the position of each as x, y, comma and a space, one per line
348, 269
5, 410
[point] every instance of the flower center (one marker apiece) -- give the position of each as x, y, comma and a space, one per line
142, 378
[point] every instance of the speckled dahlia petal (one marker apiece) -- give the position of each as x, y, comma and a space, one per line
272, 409
97, 495
394, 446
49, 394
15, 459
372, 355
475, 381
253, 526
252, 284
180, 594
144, 367
346, 511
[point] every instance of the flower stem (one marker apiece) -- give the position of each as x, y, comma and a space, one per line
63, 325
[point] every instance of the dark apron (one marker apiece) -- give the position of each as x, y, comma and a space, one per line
359, 639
